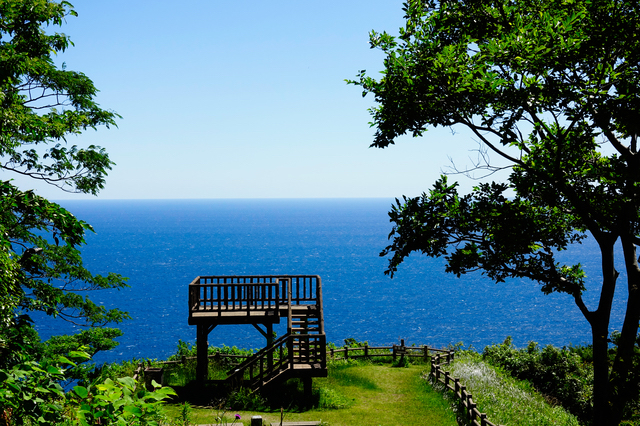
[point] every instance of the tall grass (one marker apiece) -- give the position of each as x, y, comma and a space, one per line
504, 399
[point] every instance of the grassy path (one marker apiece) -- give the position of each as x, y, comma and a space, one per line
369, 395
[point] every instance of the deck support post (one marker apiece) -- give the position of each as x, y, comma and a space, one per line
202, 348
308, 387
269, 344
268, 334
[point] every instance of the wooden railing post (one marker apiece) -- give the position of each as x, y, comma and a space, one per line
366, 351
426, 352
346, 352
483, 419
471, 412
432, 370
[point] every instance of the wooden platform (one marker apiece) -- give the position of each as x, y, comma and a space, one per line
263, 301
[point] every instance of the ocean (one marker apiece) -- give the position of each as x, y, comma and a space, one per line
162, 245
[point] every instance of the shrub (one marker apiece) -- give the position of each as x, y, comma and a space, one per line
560, 374
504, 399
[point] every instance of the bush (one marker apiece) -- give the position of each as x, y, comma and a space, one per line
562, 375
119, 402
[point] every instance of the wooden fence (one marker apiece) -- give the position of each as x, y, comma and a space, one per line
439, 357
394, 351
438, 375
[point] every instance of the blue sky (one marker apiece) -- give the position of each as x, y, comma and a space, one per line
244, 99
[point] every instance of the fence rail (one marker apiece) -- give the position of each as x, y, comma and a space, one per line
439, 357
394, 351
438, 375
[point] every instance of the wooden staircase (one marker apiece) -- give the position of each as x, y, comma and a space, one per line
264, 300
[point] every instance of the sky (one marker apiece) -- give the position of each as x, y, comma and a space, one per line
244, 99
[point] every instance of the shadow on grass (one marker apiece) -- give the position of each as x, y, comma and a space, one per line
289, 395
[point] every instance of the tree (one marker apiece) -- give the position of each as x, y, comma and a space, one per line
42, 104
552, 87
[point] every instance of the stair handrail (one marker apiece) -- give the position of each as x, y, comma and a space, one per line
257, 355
236, 374
318, 355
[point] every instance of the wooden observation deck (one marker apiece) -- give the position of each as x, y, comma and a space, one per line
263, 301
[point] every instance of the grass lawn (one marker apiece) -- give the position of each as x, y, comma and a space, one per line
358, 395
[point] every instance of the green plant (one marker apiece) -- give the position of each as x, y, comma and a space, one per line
119, 402
561, 374
31, 393
504, 399
245, 399
402, 361
329, 398
185, 414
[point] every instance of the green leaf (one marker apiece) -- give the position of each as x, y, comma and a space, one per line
81, 391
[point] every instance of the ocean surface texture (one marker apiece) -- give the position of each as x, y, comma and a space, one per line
163, 245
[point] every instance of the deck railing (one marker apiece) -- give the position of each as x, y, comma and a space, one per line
237, 293
230, 297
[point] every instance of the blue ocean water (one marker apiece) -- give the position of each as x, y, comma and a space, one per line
163, 245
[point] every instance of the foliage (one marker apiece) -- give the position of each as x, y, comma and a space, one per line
552, 88
31, 392
560, 374
19, 342
185, 414
331, 399
504, 399
245, 399
119, 402
41, 105
182, 373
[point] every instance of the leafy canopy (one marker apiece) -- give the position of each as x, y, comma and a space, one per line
545, 87
552, 89
41, 105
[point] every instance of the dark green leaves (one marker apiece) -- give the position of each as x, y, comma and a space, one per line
40, 106
486, 231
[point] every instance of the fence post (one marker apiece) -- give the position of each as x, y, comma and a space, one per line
394, 353
432, 370
447, 376
366, 350
331, 353
426, 352
483, 419
471, 407
346, 352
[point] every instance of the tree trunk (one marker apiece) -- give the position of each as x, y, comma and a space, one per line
620, 386
599, 329
599, 321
